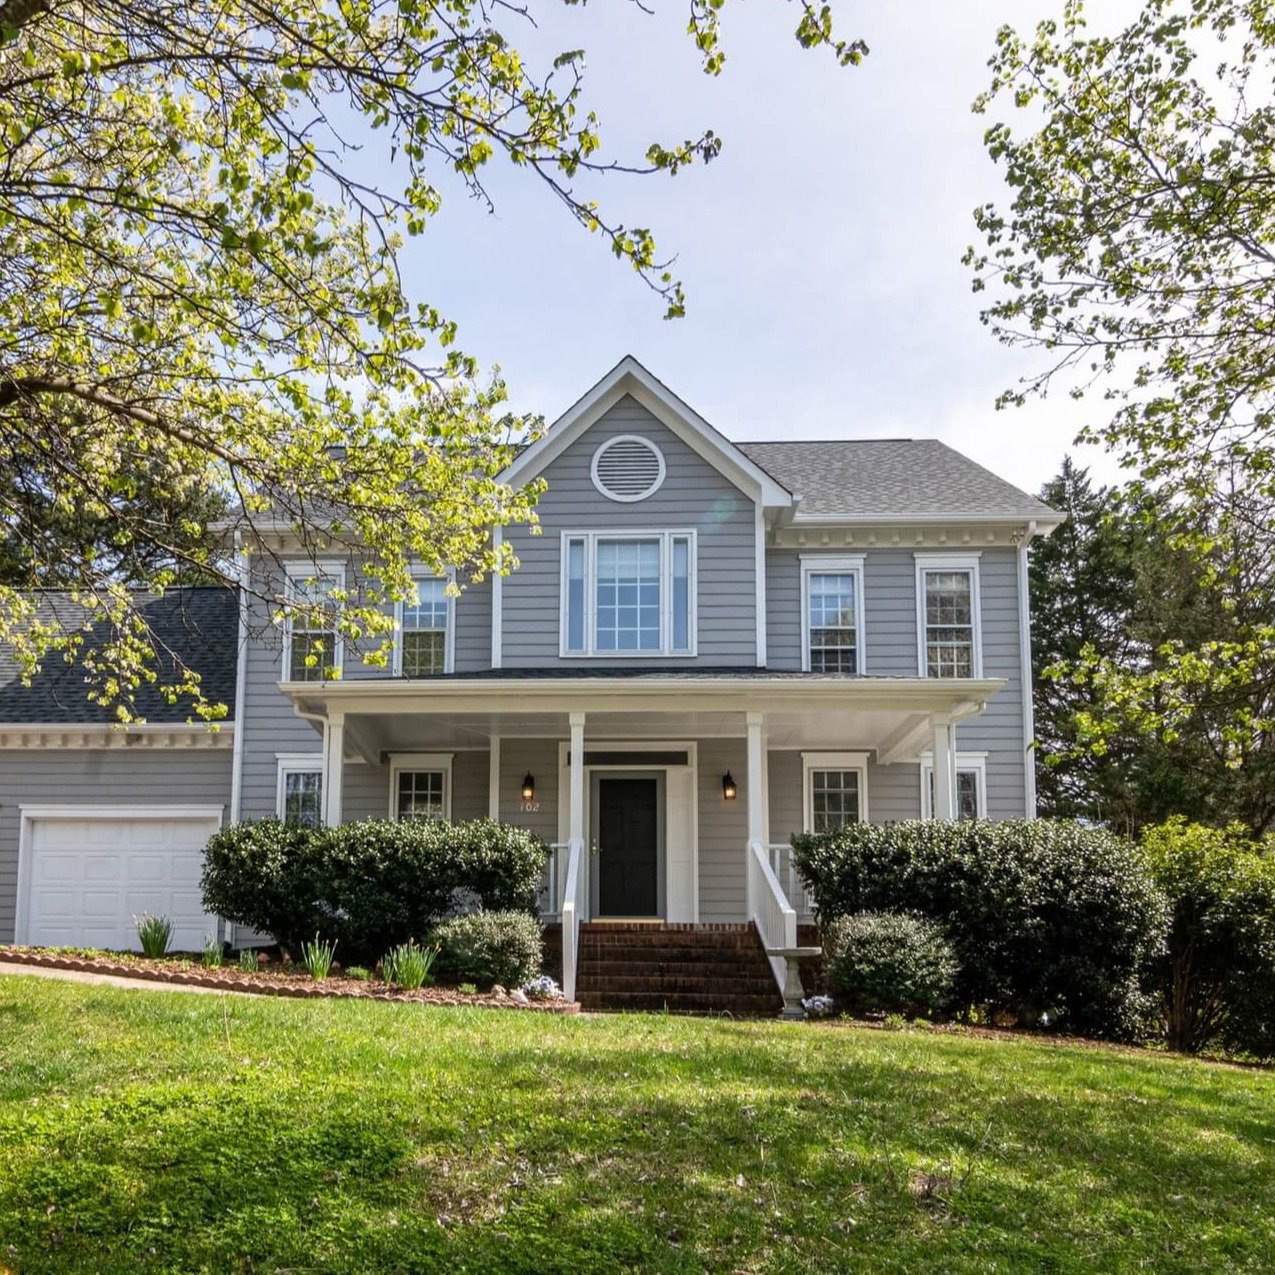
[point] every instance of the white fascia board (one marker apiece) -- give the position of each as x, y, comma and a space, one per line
631, 378
1036, 525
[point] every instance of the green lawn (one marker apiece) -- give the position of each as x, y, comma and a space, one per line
160, 1131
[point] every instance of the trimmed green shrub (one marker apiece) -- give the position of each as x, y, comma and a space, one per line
488, 947
1217, 979
889, 962
372, 885
1049, 921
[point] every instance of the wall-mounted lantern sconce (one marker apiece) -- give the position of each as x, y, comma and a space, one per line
730, 790
528, 787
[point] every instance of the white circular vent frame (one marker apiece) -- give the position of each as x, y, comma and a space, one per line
628, 468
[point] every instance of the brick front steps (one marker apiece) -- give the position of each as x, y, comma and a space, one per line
686, 969
227, 979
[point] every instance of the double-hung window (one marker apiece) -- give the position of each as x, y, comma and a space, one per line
948, 627
832, 614
628, 594
312, 651
421, 786
971, 786
835, 790
425, 629
300, 792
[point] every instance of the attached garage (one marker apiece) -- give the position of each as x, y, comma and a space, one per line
84, 873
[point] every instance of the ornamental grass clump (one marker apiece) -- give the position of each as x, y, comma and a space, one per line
317, 957
213, 954
154, 933
409, 966
248, 961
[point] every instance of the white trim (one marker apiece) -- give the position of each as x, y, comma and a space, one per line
241, 679
967, 562
629, 377
497, 604
834, 564
759, 578
112, 735
810, 762
691, 748
1025, 673
665, 537
661, 468
975, 762
449, 632
296, 764
1043, 522
307, 570
28, 814
408, 763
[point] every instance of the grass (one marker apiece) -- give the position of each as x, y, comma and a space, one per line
156, 1131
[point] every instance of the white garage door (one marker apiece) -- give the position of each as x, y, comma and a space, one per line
87, 875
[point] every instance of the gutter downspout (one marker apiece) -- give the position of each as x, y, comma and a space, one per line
1025, 661
241, 679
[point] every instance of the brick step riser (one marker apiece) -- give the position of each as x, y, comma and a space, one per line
752, 1007
696, 969
732, 951
698, 986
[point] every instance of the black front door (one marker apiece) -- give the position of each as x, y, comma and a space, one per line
628, 847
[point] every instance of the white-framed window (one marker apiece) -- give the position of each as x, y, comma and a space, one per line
832, 613
427, 629
628, 593
299, 796
312, 648
948, 620
421, 786
834, 790
971, 786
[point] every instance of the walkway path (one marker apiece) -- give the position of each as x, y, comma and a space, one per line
105, 980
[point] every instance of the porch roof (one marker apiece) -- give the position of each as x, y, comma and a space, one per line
891, 716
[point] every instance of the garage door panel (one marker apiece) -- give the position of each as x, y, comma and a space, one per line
88, 878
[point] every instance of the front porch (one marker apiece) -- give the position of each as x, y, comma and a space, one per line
668, 798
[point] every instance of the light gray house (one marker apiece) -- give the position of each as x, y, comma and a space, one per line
708, 647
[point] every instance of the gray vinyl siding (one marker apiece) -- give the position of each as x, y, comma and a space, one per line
890, 650
723, 832
473, 628
99, 777
694, 496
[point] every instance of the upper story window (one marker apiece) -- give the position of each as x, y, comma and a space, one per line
312, 646
832, 614
421, 786
425, 629
971, 786
835, 790
628, 468
628, 593
948, 623
300, 793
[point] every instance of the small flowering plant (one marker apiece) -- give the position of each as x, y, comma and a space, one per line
542, 988
819, 1006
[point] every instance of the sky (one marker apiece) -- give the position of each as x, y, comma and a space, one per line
821, 252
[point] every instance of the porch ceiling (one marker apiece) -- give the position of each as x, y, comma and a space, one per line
892, 717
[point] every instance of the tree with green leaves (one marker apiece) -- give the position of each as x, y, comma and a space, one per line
197, 292
1137, 250
1114, 592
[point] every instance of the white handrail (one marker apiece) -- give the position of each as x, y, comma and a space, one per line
781, 862
774, 916
571, 909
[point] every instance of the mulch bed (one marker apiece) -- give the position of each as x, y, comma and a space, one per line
274, 979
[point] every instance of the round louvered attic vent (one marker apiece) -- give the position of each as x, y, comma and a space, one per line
628, 468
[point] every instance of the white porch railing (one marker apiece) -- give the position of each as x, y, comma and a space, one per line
550, 896
780, 855
572, 906
774, 916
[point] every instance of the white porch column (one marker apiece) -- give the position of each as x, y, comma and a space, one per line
756, 786
944, 805
333, 767
576, 768
493, 777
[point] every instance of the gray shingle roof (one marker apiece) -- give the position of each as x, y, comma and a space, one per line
200, 625
894, 477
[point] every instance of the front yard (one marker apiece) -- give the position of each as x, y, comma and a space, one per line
145, 1131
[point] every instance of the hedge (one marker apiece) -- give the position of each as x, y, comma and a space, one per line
369, 885
489, 947
889, 963
1050, 922
1217, 981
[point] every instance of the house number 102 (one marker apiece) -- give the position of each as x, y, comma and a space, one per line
529, 807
